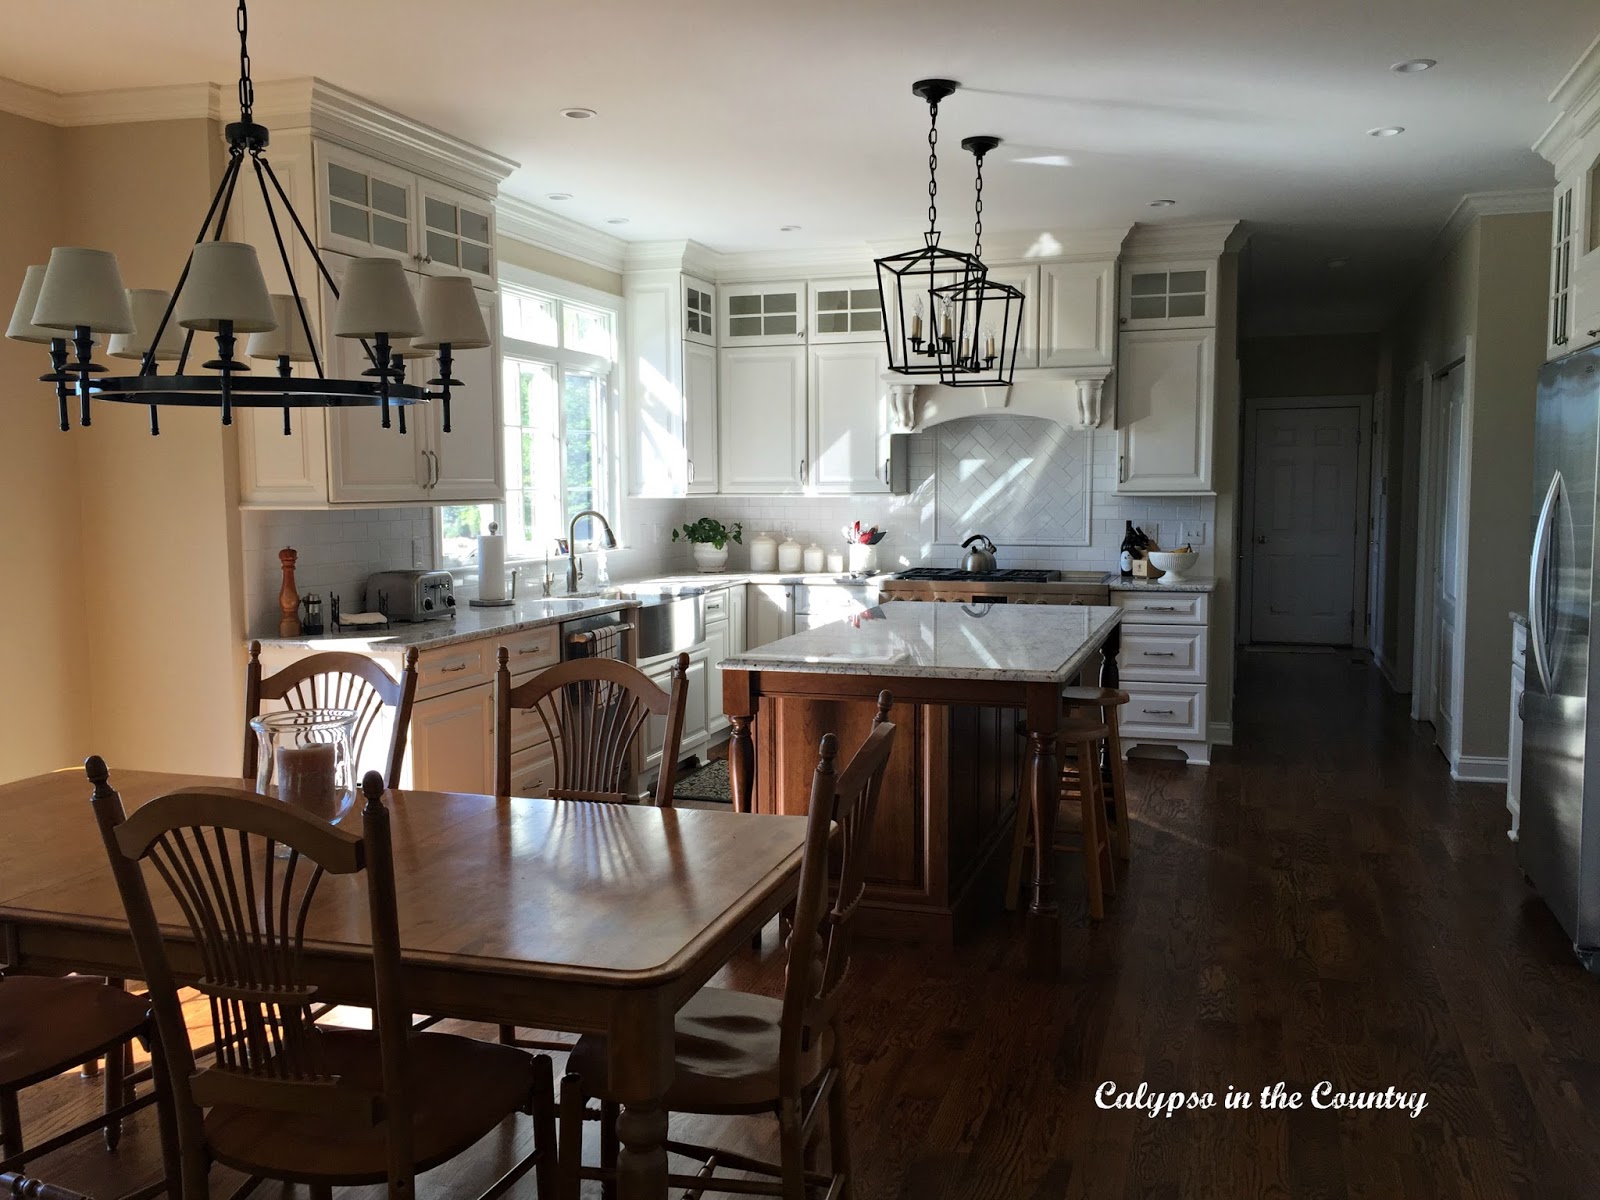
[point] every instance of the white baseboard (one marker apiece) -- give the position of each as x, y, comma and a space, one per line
1386, 668
1220, 733
1470, 768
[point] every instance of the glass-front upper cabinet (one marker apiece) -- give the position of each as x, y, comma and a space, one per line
1561, 272
846, 310
763, 314
699, 311
366, 207
457, 233
1169, 295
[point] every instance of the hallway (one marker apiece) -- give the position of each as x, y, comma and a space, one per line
1322, 904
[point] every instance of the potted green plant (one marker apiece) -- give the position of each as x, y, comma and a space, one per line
710, 538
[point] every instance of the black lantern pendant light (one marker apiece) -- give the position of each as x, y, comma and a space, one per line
918, 327
985, 315
78, 300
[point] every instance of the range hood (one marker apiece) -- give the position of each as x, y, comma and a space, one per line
1072, 397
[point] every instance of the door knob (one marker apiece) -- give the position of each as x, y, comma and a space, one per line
1261, 539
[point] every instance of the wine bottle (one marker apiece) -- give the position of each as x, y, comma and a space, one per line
1129, 545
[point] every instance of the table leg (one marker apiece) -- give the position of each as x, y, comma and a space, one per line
1044, 919
641, 1065
642, 1163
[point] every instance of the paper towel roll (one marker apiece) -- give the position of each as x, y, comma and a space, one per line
491, 565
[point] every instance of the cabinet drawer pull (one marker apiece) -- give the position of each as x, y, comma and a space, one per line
1158, 608
534, 650
450, 670
1158, 712
1159, 653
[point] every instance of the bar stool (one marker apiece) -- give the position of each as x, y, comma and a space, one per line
1080, 780
1108, 701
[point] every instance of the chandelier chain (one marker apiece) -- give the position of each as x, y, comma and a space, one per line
933, 166
247, 89
977, 214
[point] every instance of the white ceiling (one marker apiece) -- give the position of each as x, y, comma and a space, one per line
722, 120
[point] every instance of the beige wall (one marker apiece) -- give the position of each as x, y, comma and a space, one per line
1486, 297
1323, 365
43, 708
537, 258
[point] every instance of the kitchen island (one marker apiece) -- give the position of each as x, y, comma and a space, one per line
967, 680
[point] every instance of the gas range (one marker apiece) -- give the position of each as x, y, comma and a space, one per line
957, 575
1014, 586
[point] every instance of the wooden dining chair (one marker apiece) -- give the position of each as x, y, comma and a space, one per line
49, 1025
336, 679
285, 1098
14, 1186
738, 1053
592, 711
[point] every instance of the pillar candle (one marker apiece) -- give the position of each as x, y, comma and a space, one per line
305, 778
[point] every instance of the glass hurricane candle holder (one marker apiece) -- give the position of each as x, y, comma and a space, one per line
307, 758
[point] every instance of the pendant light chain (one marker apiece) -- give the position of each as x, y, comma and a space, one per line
977, 214
247, 89
933, 167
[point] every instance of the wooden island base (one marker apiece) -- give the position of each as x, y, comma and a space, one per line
944, 821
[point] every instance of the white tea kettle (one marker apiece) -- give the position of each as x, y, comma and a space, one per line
979, 561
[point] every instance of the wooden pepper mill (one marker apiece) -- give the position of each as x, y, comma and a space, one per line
288, 596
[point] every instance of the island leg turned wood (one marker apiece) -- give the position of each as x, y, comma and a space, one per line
738, 703
1044, 793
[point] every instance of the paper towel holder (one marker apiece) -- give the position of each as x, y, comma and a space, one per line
476, 602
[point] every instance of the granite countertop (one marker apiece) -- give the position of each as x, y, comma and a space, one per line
931, 640
1519, 619
1197, 583
469, 624
714, 582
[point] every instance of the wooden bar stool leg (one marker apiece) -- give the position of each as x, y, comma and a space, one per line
1019, 850
1102, 842
1088, 787
116, 1091
1119, 785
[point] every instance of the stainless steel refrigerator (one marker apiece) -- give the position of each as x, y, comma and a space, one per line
1559, 841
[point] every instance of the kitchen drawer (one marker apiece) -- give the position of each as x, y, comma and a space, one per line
1163, 653
533, 773
452, 668
528, 730
532, 649
717, 605
1174, 712
1178, 608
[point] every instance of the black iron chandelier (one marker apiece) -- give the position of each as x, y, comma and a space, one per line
78, 297
917, 325
985, 316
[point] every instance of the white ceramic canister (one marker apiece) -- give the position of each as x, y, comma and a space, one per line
815, 559
836, 562
791, 555
763, 553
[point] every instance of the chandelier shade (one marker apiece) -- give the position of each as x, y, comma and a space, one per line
22, 328
148, 306
451, 316
288, 341
82, 289
225, 289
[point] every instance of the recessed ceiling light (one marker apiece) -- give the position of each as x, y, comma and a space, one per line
1386, 131
578, 114
616, 220
558, 195
1162, 203
788, 228
1412, 65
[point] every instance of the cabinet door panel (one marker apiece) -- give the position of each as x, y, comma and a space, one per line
365, 207
1077, 313
845, 310
471, 464
771, 614
761, 399
451, 745
1174, 295
700, 403
457, 233
658, 464
1026, 280
717, 649
766, 314
699, 311
848, 418
1165, 411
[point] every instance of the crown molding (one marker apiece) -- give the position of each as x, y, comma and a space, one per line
1474, 205
681, 255
120, 106
1577, 97
1192, 239
24, 100
516, 218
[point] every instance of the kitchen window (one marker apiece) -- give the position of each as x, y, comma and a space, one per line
558, 358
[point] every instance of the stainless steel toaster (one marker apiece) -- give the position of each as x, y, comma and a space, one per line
412, 595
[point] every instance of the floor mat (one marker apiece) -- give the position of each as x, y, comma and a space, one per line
709, 782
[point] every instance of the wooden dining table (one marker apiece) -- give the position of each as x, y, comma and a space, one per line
551, 914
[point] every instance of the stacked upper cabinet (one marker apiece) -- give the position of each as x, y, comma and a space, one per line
434, 216
1572, 146
671, 330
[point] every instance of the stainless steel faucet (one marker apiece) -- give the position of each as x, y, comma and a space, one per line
574, 567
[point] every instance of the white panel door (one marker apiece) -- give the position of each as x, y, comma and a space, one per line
1077, 313
761, 402
1449, 389
1165, 411
700, 404
848, 418
471, 458
1307, 465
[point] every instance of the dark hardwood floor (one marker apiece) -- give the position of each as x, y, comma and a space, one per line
1322, 904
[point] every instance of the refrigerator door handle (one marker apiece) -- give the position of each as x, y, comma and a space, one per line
1539, 566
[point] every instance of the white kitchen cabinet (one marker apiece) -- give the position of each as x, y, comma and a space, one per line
1077, 313
365, 207
717, 649
1163, 669
1166, 400
1173, 295
849, 417
700, 415
699, 311
469, 461
694, 708
762, 314
738, 629
1562, 222
451, 748
762, 426
1025, 278
845, 310
457, 234
659, 462
771, 614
